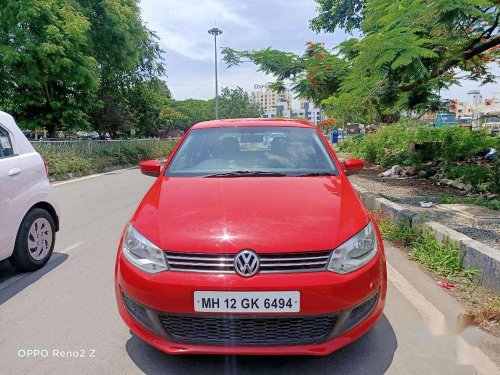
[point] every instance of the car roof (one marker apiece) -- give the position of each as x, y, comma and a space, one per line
21, 144
253, 122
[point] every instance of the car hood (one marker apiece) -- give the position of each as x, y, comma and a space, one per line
266, 214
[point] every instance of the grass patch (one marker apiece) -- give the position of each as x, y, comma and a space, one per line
445, 259
483, 307
390, 198
63, 162
493, 204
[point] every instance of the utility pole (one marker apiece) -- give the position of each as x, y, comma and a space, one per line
215, 31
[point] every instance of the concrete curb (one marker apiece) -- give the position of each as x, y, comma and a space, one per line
475, 253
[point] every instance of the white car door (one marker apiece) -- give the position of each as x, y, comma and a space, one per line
14, 190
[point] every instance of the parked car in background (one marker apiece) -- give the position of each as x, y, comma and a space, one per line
251, 241
29, 216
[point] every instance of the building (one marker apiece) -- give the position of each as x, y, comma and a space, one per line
461, 109
269, 99
310, 112
476, 96
280, 110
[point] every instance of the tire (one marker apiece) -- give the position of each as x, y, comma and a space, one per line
34, 241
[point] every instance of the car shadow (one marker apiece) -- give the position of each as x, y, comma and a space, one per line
373, 353
13, 281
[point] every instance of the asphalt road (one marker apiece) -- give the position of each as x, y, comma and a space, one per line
69, 308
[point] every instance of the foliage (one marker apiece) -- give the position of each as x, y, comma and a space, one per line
233, 103
448, 147
338, 14
326, 124
444, 257
475, 174
410, 47
347, 109
389, 144
407, 52
48, 76
493, 204
314, 75
194, 110
172, 118
62, 162
72, 64
236, 103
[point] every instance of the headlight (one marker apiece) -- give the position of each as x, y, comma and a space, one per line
142, 253
355, 252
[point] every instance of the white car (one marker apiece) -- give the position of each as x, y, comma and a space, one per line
29, 215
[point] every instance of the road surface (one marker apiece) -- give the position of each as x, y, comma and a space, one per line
68, 308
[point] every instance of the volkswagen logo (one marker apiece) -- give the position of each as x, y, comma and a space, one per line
246, 263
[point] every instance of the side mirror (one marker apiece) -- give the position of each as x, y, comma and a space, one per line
150, 167
353, 165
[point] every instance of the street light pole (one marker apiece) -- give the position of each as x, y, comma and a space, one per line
215, 31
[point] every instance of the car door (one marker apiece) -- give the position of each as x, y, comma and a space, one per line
14, 190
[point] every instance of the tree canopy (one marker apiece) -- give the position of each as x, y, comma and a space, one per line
233, 103
79, 63
407, 52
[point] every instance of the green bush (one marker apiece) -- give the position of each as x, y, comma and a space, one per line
389, 144
475, 174
62, 162
445, 257
445, 146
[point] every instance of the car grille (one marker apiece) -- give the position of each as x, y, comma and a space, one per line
247, 331
269, 263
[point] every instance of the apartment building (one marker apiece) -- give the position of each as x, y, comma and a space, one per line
269, 99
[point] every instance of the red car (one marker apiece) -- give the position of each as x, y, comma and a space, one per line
251, 241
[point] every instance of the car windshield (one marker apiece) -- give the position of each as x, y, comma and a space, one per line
252, 151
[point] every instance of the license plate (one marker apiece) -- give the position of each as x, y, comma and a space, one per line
251, 302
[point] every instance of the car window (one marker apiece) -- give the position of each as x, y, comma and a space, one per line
5, 144
291, 151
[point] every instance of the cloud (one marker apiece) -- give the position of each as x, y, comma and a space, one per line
182, 25
202, 85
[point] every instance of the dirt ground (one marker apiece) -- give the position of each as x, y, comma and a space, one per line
410, 191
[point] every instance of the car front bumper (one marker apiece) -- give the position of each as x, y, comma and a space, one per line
143, 299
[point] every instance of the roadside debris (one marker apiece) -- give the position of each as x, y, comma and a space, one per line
445, 284
394, 171
488, 154
425, 204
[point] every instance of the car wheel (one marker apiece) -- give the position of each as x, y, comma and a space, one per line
35, 241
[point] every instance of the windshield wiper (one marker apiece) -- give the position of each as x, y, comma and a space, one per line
247, 174
312, 174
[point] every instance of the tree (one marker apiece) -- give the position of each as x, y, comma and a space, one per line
326, 124
172, 119
47, 72
194, 110
79, 63
342, 14
236, 103
148, 99
409, 50
314, 75
129, 58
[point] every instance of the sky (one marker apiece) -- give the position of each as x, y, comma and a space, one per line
182, 26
